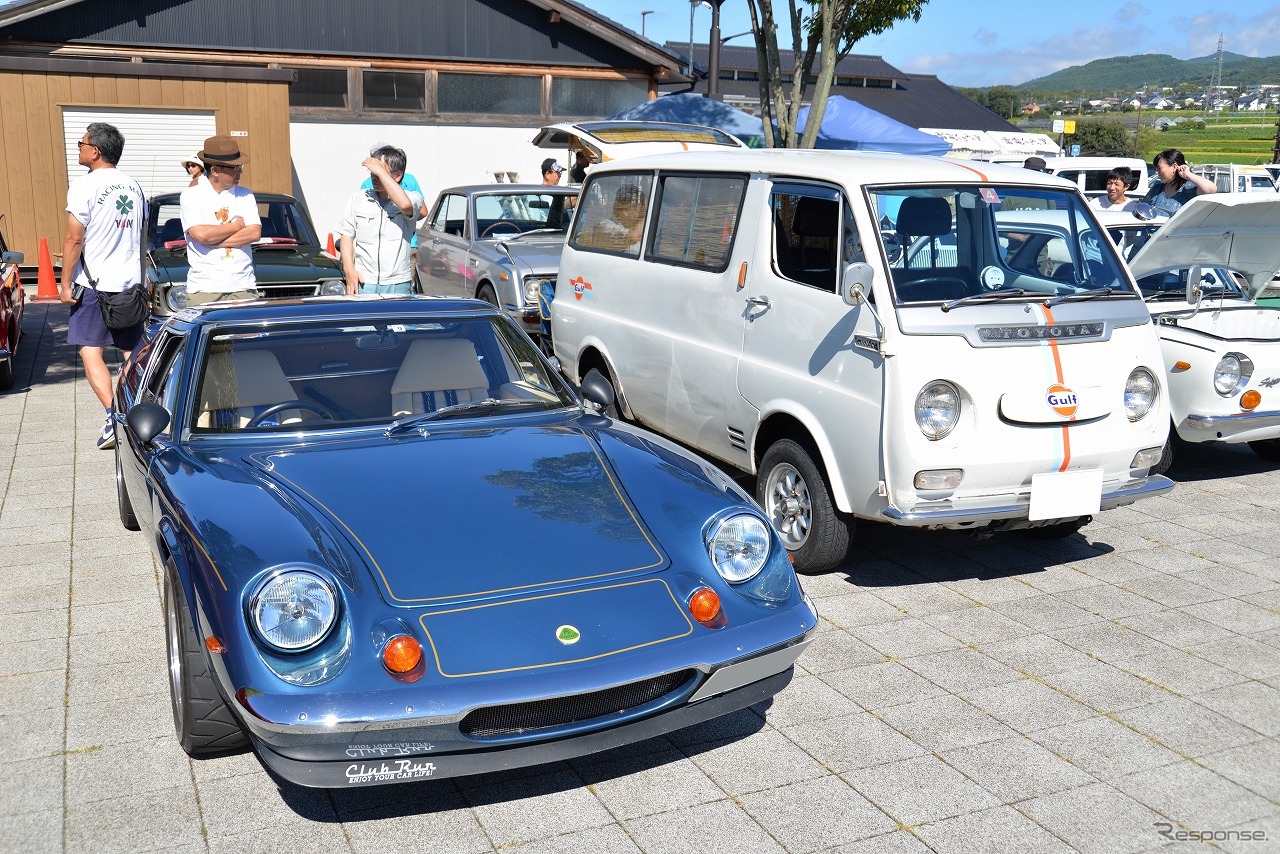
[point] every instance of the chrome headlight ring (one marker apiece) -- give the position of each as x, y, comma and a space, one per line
937, 409
332, 288
1141, 391
738, 545
176, 297
293, 609
1232, 373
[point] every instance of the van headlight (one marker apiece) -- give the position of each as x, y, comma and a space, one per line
739, 546
332, 287
1141, 391
293, 610
176, 297
937, 409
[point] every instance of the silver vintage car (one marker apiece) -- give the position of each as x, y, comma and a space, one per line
495, 242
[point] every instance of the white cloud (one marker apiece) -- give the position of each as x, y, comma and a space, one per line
1131, 11
985, 36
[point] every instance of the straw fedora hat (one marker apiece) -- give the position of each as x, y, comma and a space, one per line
222, 151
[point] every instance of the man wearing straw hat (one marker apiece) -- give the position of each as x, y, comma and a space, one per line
221, 222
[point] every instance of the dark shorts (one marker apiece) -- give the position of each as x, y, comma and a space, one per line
86, 329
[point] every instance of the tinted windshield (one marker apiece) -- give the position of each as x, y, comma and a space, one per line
947, 243
316, 376
505, 214
1214, 282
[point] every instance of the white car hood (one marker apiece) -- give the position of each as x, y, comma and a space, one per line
1239, 231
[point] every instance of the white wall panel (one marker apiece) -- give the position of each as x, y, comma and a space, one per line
155, 142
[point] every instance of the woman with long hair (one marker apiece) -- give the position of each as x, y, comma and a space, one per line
1177, 184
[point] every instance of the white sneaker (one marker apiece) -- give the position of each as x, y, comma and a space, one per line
107, 439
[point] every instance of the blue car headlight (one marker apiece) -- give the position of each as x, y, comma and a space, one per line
293, 610
738, 546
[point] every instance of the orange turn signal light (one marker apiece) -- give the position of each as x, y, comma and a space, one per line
214, 645
1250, 399
401, 654
704, 605
1181, 366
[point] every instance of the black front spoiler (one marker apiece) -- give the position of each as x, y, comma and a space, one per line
367, 771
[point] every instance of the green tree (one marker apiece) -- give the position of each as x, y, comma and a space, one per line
1002, 101
821, 30
1101, 136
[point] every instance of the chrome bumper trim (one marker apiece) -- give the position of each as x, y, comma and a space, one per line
976, 511
1240, 420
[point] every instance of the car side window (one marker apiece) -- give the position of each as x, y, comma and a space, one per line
697, 220
806, 231
613, 213
450, 215
161, 384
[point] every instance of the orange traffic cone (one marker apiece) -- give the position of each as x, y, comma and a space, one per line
330, 250
47, 286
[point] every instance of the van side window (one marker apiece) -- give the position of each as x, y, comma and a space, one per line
612, 213
805, 230
697, 220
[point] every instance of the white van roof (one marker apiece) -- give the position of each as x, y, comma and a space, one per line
850, 168
610, 140
1232, 230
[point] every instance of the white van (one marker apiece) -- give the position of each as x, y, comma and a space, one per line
607, 139
1234, 178
873, 336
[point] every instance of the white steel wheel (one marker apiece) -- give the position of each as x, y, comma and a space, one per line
795, 497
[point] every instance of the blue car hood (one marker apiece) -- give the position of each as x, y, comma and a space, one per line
469, 514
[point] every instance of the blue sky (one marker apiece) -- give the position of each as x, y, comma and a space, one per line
987, 42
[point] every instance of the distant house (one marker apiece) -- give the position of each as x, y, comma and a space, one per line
1030, 109
1159, 102
1250, 102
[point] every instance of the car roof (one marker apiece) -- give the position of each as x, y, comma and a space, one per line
509, 189
404, 306
172, 198
852, 168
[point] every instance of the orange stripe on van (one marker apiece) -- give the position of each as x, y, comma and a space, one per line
970, 168
1057, 368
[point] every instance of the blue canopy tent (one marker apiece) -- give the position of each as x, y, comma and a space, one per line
850, 126
690, 109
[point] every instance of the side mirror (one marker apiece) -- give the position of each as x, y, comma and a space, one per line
1194, 291
856, 283
597, 391
11, 258
147, 420
1144, 211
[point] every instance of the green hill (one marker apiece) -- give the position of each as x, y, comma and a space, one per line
1126, 73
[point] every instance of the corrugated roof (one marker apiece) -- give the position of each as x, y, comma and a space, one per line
742, 57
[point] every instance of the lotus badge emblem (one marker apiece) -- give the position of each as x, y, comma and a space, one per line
568, 635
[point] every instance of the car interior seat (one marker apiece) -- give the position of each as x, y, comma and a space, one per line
170, 231
239, 385
816, 222
929, 217
435, 373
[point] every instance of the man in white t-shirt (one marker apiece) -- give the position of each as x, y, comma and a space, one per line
377, 226
221, 222
106, 215
1115, 199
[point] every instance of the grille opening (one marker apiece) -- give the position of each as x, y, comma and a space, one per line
288, 291
495, 722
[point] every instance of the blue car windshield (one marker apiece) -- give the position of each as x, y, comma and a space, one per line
952, 242
316, 376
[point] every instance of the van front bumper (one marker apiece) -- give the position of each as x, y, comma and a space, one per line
1235, 427
963, 513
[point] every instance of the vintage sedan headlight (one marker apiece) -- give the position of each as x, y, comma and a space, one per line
293, 610
531, 286
176, 297
332, 287
739, 546
1232, 370
937, 409
1141, 391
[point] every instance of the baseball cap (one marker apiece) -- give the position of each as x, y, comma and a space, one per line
550, 165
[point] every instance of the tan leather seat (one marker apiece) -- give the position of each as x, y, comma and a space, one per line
437, 373
240, 384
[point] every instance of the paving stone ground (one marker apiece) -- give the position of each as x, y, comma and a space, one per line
1109, 692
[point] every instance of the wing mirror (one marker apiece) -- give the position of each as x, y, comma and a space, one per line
147, 420
11, 258
597, 391
1194, 291
856, 283
1143, 211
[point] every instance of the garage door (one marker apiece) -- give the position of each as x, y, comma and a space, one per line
155, 142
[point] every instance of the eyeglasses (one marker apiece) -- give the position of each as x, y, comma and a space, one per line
82, 144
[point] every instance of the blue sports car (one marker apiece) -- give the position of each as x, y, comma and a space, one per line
398, 546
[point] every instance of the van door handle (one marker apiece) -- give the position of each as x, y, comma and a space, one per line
760, 302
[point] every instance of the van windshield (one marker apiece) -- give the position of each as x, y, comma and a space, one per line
949, 243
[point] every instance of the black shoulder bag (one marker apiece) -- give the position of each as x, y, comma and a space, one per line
123, 310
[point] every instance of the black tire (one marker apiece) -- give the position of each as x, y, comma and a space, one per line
485, 292
1268, 449
127, 517
202, 719
1166, 457
6, 374
1060, 531
611, 411
795, 497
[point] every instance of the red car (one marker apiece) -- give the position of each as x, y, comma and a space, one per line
12, 297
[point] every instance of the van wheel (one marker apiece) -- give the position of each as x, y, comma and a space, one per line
1268, 449
486, 293
795, 497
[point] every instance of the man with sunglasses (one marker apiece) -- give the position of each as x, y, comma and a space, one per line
221, 222
106, 214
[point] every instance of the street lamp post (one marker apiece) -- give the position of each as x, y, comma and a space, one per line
643, 16
713, 47
693, 7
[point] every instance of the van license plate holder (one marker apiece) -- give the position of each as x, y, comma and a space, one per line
1065, 494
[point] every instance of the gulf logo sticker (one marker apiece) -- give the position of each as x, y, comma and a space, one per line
580, 288
1062, 400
